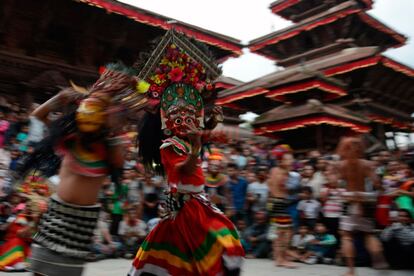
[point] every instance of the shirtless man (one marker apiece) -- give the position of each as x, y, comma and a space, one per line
278, 204
355, 171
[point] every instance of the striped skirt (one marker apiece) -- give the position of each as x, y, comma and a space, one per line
63, 239
197, 240
278, 211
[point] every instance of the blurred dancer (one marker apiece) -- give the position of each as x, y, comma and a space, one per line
91, 149
361, 203
194, 238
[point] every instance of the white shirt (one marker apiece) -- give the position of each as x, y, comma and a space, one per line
310, 208
301, 242
261, 191
36, 130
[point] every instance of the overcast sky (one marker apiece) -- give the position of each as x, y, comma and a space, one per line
249, 19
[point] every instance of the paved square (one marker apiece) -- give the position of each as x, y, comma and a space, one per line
120, 267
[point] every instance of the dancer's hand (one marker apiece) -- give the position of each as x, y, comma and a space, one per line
218, 114
69, 95
194, 137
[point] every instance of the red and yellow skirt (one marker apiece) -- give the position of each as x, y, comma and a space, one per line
13, 254
197, 240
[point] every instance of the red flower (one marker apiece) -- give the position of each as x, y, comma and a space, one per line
101, 69
199, 86
155, 88
209, 87
176, 74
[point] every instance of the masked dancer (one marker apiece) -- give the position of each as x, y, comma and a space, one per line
195, 238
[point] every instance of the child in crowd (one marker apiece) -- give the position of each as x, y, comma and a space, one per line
308, 207
322, 247
22, 138
132, 232
332, 199
299, 248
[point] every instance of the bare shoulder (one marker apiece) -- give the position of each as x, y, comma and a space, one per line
366, 163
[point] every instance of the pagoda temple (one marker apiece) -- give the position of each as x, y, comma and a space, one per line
46, 43
335, 80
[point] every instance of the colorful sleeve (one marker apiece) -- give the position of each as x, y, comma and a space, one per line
170, 159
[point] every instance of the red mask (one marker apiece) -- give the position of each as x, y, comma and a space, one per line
180, 119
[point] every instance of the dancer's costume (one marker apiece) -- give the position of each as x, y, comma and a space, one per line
15, 249
195, 238
65, 231
359, 216
278, 212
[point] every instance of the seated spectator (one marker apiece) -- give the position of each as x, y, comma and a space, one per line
308, 208
241, 229
257, 244
398, 241
103, 245
154, 221
130, 161
299, 249
132, 232
322, 247
151, 195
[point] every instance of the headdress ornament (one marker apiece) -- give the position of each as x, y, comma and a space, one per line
178, 70
179, 74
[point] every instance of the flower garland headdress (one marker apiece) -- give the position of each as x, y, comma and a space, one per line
178, 70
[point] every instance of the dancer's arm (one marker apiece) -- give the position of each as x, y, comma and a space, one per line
216, 117
55, 103
191, 163
116, 154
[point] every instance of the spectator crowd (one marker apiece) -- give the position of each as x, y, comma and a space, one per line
237, 175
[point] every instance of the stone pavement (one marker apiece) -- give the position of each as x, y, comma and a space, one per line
120, 267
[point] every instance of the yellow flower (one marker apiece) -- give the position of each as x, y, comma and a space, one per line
142, 87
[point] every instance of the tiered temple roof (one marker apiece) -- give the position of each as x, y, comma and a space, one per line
231, 115
297, 10
332, 56
343, 26
46, 43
